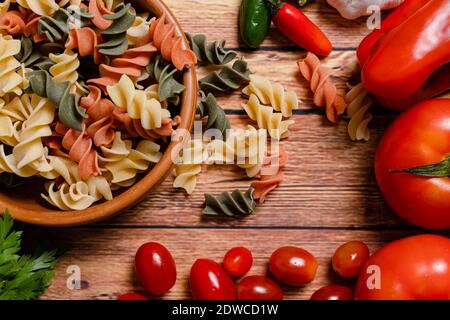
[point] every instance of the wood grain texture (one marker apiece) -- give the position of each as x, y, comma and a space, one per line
329, 195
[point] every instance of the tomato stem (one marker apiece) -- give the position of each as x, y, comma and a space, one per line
440, 169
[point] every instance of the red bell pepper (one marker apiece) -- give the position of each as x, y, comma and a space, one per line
408, 59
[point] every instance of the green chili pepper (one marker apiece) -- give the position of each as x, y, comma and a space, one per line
254, 22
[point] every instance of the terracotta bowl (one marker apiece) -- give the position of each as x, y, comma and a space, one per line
25, 204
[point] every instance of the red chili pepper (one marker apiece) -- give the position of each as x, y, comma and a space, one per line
411, 61
299, 29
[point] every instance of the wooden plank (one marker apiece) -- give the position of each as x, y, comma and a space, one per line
106, 257
219, 20
328, 182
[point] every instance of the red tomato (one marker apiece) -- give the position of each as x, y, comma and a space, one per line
155, 268
417, 267
209, 281
237, 261
420, 136
259, 288
333, 292
131, 296
349, 259
293, 266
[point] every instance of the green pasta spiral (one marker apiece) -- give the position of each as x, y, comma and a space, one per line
79, 16
165, 74
54, 27
208, 106
210, 53
69, 112
234, 204
37, 57
228, 78
115, 35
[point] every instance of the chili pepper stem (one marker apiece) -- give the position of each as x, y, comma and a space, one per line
440, 169
274, 6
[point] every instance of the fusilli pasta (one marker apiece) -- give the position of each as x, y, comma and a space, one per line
271, 175
234, 204
40, 7
69, 112
273, 94
208, 107
266, 118
10, 80
228, 78
164, 38
359, 103
325, 93
124, 171
149, 111
210, 53
115, 35
189, 165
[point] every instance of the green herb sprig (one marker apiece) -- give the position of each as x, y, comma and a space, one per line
22, 277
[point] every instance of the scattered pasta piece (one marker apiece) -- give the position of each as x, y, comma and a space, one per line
266, 118
273, 94
359, 103
325, 92
271, 175
231, 204
189, 165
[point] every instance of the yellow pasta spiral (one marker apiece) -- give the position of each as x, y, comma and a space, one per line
123, 172
40, 7
35, 127
359, 103
189, 165
246, 148
266, 118
65, 67
137, 104
273, 94
10, 80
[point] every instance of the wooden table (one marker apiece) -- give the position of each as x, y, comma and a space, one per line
329, 195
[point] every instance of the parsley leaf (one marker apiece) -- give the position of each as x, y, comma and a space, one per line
22, 277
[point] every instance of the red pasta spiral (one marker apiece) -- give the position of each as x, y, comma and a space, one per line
21, 22
268, 180
80, 148
325, 92
86, 40
100, 121
135, 129
98, 9
131, 63
170, 45
12, 22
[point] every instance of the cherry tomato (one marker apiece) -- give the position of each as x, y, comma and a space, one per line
259, 288
293, 266
333, 292
208, 281
155, 268
416, 267
419, 137
237, 261
131, 296
349, 259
